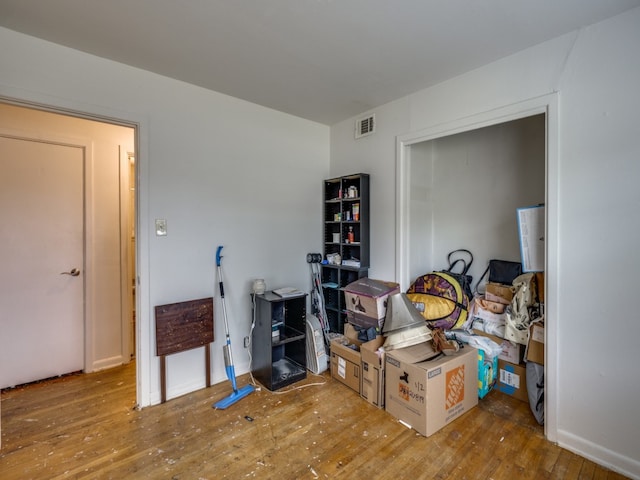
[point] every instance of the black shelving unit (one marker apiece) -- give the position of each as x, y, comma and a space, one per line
278, 342
346, 210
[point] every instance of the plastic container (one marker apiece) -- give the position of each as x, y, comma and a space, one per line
351, 236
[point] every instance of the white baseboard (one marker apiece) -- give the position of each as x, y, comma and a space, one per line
106, 363
602, 456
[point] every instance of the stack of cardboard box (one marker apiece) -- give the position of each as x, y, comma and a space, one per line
512, 361
423, 394
358, 364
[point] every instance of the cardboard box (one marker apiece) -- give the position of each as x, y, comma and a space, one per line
368, 297
512, 380
488, 316
535, 349
364, 321
496, 292
540, 286
511, 352
487, 373
427, 395
372, 388
345, 361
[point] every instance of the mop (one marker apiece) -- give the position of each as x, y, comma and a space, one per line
238, 393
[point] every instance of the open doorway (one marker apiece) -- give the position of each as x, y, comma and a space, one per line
465, 189
106, 267
411, 198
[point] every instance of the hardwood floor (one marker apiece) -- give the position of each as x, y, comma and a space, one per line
86, 426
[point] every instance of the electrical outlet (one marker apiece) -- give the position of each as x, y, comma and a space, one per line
246, 342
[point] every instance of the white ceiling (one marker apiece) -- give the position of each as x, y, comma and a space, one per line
324, 60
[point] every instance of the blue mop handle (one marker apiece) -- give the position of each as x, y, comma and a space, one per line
220, 283
218, 256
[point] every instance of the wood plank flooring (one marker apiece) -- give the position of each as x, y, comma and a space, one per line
86, 426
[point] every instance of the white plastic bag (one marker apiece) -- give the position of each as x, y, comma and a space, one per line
491, 349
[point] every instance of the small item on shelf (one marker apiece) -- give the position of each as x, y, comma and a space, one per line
286, 292
275, 331
351, 235
334, 259
259, 286
351, 262
356, 211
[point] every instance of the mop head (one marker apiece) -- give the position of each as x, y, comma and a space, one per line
235, 396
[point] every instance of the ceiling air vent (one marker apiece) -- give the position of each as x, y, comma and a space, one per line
365, 126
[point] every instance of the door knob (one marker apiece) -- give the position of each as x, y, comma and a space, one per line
74, 272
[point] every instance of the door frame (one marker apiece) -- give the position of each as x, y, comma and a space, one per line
126, 294
140, 128
548, 105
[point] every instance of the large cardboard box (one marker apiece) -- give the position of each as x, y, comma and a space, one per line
512, 380
345, 358
372, 388
427, 395
535, 349
366, 299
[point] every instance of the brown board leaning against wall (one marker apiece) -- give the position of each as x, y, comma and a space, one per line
183, 326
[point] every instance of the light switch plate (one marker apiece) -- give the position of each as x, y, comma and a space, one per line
161, 227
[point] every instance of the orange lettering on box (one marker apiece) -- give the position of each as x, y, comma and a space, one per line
455, 387
403, 391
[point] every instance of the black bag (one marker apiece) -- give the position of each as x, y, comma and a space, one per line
535, 390
501, 271
463, 277
504, 271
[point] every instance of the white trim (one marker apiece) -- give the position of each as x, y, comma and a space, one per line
627, 466
552, 273
89, 270
547, 104
125, 254
110, 362
143, 293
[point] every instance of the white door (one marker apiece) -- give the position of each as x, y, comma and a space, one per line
41, 260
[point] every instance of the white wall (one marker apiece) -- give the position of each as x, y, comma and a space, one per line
220, 170
465, 189
104, 327
596, 73
374, 155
